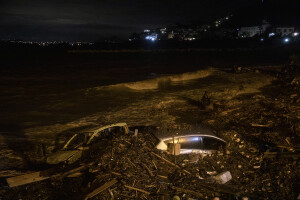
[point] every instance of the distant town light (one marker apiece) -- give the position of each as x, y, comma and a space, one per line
286, 40
295, 34
261, 39
271, 34
190, 38
151, 37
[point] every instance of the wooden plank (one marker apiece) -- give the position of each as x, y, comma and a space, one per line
261, 125
72, 171
101, 189
25, 179
43, 175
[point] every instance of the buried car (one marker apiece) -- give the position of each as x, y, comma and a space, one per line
201, 141
83, 143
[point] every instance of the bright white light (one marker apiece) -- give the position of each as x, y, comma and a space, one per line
286, 40
195, 138
271, 34
295, 34
261, 39
152, 37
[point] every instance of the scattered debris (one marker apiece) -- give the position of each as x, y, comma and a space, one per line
131, 169
206, 102
281, 155
224, 177
101, 189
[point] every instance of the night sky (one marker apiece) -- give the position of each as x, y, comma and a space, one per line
49, 20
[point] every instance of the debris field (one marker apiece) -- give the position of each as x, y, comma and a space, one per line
260, 160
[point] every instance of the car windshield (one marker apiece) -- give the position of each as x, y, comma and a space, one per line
81, 139
77, 141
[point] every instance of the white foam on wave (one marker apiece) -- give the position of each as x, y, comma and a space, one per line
159, 82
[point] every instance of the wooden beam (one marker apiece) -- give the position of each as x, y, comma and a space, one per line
25, 179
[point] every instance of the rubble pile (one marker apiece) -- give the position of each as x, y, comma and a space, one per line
290, 76
130, 167
262, 134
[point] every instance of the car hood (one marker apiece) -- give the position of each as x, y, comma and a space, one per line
61, 156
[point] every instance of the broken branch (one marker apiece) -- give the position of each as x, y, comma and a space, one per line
136, 189
101, 189
169, 162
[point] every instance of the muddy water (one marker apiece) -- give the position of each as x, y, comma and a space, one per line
35, 106
50, 113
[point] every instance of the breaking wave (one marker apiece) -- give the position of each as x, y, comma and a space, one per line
161, 82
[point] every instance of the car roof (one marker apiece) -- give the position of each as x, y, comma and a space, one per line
105, 127
100, 128
199, 130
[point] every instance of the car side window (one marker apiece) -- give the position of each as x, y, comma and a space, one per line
191, 143
188, 142
110, 131
212, 143
96, 140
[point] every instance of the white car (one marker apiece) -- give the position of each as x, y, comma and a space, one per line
82, 143
198, 141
